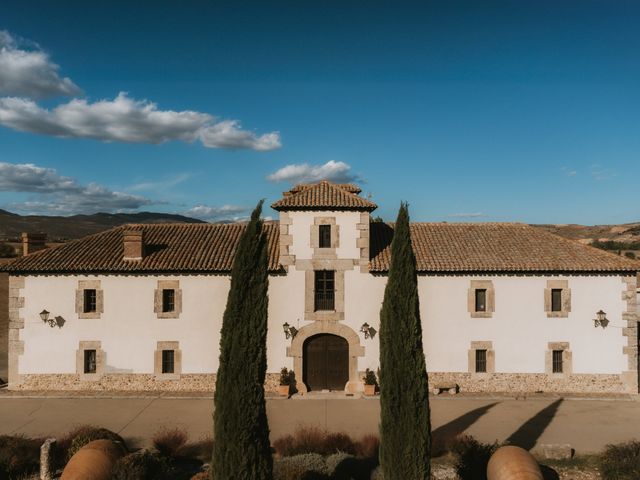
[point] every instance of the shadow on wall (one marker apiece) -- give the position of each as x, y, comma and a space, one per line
530, 431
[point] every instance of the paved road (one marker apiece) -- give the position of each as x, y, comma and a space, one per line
587, 425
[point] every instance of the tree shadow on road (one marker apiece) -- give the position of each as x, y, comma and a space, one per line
443, 436
530, 431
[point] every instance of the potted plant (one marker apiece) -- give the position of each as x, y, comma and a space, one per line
370, 382
285, 382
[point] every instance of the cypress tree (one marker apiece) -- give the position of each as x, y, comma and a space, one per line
405, 429
242, 450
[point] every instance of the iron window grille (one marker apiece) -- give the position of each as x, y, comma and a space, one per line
90, 302
324, 290
556, 300
324, 236
481, 300
168, 300
481, 361
557, 366
90, 361
168, 361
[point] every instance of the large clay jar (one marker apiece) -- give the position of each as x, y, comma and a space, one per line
513, 463
94, 461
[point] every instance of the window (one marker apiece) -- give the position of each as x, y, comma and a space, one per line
168, 361
90, 361
556, 299
168, 300
481, 300
324, 290
481, 361
324, 240
557, 361
90, 302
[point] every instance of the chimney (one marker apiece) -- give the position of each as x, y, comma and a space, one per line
133, 244
32, 242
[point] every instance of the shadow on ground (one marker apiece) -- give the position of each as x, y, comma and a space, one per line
530, 431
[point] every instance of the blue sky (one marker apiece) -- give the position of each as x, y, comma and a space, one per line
471, 111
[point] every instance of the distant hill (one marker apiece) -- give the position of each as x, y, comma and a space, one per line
66, 228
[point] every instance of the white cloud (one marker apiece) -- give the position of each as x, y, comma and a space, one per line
467, 215
60, 195
216, 214
161, 184
600, 173
124, 119
29, 71
569, 172
334, 171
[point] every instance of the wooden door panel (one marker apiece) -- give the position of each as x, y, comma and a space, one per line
326, 362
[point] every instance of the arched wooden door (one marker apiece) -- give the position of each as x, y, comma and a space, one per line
325, 362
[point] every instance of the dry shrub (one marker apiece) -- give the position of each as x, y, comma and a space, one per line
314, 440
143, 465
201, 476
200, 449
19, 456
339, 442
297, 467
442, 443
472, 457
368, 446
621, 462
84, 434
170, 442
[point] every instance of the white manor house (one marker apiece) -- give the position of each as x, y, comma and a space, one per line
504, 307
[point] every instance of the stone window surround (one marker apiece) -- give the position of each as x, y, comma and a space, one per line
309, 267
157, 304
177, 360
566, 298
567, 366
491, 357
16, 323
86, 285
356, 350
100, 360
315, 237
630, 318
490, 300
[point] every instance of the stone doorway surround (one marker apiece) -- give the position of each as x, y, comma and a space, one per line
335, 328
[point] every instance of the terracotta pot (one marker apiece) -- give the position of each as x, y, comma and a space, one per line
369, 390
94, 461
513, 463
283, 390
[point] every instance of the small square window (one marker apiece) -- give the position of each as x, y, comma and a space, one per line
481, 361
168, 300
168, 361
556, 300
481, 300
89, 304
89, 361
557, 366
325, 236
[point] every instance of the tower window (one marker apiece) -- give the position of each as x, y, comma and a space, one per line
325, 236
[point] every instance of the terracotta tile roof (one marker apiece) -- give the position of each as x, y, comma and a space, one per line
173, 247
324, 195
493, 247
439, 248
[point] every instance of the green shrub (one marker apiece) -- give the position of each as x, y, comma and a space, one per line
297, 466
142, 465
85, 434
19, 456
472, 457
621, 462
171, 442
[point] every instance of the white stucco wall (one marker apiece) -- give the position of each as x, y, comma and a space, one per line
519, 328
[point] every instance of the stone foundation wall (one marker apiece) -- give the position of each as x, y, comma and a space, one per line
530, 382
188, 382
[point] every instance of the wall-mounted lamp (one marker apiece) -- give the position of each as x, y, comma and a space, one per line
600, 320
53, 322
369, 332
289, 331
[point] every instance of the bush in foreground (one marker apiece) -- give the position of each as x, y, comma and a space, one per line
472, 457
142, 465
314, 440
85, 434
170, 442
621, 462
19, 456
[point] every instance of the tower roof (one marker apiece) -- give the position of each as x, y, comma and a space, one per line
324, 195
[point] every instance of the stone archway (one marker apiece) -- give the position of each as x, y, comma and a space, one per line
335, 328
